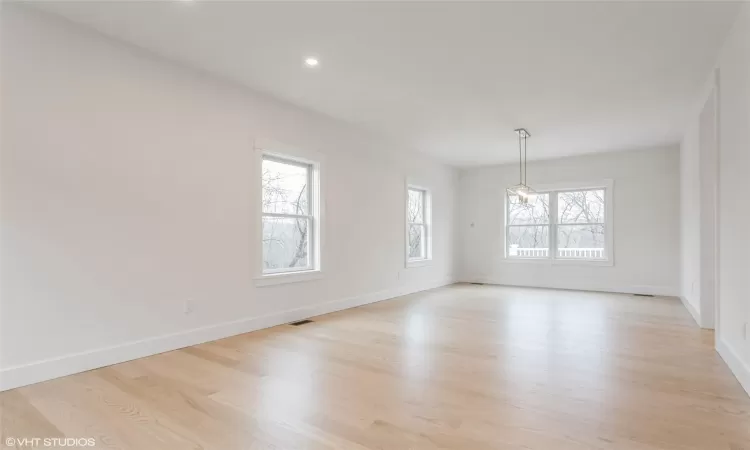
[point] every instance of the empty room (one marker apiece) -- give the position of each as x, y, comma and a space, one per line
374, 225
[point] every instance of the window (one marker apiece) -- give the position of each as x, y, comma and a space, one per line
580, 224
289, 215
528, 227
561, 224
418, 239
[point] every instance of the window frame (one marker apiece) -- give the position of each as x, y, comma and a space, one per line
426, 225
309, 217
553, 190
272, 151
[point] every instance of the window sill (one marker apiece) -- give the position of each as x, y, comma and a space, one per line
561, 262
285, 278
418, 263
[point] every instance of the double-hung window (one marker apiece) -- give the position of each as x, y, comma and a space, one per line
581, 224
289, 218
566, 223
528, 227
418, 232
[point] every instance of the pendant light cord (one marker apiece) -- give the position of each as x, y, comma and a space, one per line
524, 160
520, 160
523, 136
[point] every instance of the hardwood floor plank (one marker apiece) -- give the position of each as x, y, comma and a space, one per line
463, 367
19, 418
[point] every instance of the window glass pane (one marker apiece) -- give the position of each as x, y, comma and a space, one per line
528, 241
536, 212
580, 241
285, 243
285, 188
416, 206
416, 242
581, 206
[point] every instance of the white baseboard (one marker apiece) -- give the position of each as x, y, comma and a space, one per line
660, 291
48, 369
739, 368
693, 312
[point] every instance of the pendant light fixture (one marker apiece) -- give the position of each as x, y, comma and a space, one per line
522, 190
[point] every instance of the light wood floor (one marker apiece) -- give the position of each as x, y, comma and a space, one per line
464, 367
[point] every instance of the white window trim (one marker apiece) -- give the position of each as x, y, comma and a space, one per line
285, 278
276, 150
608, 186
427, 207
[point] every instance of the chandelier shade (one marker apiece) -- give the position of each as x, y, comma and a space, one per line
525, 193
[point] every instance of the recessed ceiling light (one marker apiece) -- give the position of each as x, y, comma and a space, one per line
311, 62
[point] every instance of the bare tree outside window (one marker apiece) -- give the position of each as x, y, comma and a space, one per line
416, 212
528, 226
287, 218
581, 224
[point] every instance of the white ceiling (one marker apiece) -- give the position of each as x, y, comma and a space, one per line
451, 79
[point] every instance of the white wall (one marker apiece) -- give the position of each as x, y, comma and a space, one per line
734, 191
698, 181
646, 223
709, 169
690, 267
125, 192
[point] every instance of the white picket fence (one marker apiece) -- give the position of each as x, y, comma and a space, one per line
572, 253
529, 252
588, 253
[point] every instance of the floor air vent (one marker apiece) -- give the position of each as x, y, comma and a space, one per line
643, 295
478, 284
301, 322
